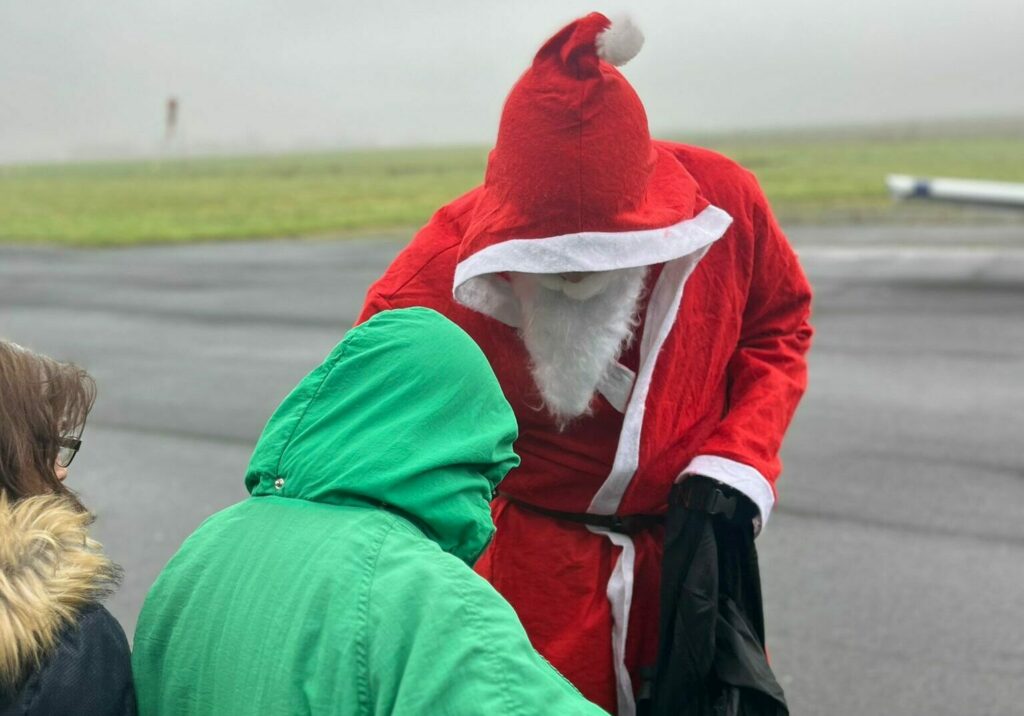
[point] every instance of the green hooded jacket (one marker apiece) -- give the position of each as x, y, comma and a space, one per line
343, 585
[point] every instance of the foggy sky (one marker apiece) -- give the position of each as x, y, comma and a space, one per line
82, 79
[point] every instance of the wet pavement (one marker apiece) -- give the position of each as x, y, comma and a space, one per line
893, 566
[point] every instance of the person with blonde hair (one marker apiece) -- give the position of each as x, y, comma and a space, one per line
61, 651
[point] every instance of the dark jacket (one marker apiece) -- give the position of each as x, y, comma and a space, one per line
61, 652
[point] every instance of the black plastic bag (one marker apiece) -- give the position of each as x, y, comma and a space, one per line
711, 657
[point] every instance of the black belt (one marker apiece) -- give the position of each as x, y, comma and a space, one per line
624, 524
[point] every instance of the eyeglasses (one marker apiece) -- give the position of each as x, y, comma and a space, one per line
68, 449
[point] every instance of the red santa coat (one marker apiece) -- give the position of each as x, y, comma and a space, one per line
708, 388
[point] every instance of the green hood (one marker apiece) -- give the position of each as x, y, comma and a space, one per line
404, 413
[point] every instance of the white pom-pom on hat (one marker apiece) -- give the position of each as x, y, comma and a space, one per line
621, 42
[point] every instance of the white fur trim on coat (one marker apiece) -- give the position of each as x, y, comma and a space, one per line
620, 597
616, 386
662, 311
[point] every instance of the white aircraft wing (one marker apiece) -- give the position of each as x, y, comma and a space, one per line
964, 191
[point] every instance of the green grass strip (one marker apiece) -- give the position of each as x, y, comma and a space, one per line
809, 179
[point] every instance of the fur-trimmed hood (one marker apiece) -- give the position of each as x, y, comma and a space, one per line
50, 570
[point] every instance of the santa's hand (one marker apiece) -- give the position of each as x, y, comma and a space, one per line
704, 494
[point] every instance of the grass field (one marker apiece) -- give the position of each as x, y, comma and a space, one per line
809, 179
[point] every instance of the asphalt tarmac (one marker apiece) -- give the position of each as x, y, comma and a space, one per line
893, 565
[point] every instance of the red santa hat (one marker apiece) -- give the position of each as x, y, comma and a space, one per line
574, 182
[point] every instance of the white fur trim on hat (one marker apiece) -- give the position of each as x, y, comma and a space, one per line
621, 42
478, 286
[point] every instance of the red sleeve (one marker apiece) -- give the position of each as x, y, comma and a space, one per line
767, 372
374, 304
422, 273
419, 275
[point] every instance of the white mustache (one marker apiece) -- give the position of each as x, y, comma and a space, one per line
582, 290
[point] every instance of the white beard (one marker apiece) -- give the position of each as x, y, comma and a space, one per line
574, 333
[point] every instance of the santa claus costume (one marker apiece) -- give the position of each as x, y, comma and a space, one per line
684, 354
